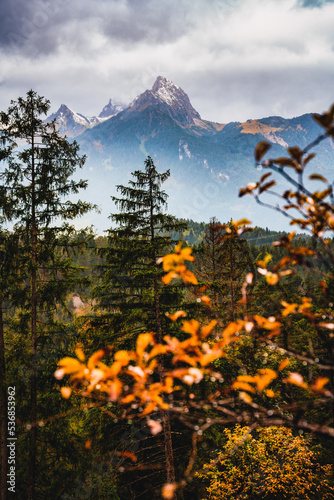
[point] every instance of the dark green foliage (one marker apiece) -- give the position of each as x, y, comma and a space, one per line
130, 277
35, 186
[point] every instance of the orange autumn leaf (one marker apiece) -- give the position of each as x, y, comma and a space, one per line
319, 383
207, 329
169, 277
168, 491
189, 277
270, 393
143, 341
246, 398
206, 359
69, 365
150, 408
243, 386
128, 399
191, 326
176, 315
296, 379
272, 278
264, 377
95, 358
127, 454
283, 364
288, 308
79, 353
205, 299
66, 392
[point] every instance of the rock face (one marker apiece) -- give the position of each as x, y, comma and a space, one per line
72, 124
169, 99
111, 109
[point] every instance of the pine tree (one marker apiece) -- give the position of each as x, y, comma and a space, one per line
131, 292
35, 183
221, 264
131, 288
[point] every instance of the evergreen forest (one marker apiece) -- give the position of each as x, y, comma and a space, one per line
167, 358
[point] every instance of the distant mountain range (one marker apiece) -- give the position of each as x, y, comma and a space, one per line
209, 161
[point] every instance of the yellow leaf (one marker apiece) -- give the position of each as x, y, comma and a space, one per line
263, 263
241, 222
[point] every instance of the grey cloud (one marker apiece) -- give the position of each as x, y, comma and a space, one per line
39, 27
32, 27
149, 21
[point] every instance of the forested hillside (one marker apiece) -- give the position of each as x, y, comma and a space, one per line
170, 358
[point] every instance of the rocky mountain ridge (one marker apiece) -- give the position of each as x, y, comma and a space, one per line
209, 162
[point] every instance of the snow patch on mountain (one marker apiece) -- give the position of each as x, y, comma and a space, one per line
275, 139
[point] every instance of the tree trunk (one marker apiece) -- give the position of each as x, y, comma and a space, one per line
165, 417
3, 412
33, 379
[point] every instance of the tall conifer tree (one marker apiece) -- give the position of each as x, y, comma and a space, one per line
131, 288
35, 182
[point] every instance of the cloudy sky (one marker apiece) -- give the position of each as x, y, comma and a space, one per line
236, 59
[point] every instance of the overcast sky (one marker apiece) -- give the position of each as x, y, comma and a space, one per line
236, 59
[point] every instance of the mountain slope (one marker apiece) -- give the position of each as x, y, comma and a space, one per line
209, 162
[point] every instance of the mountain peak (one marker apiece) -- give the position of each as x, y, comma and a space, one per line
111, 109
170, 99
162, 82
